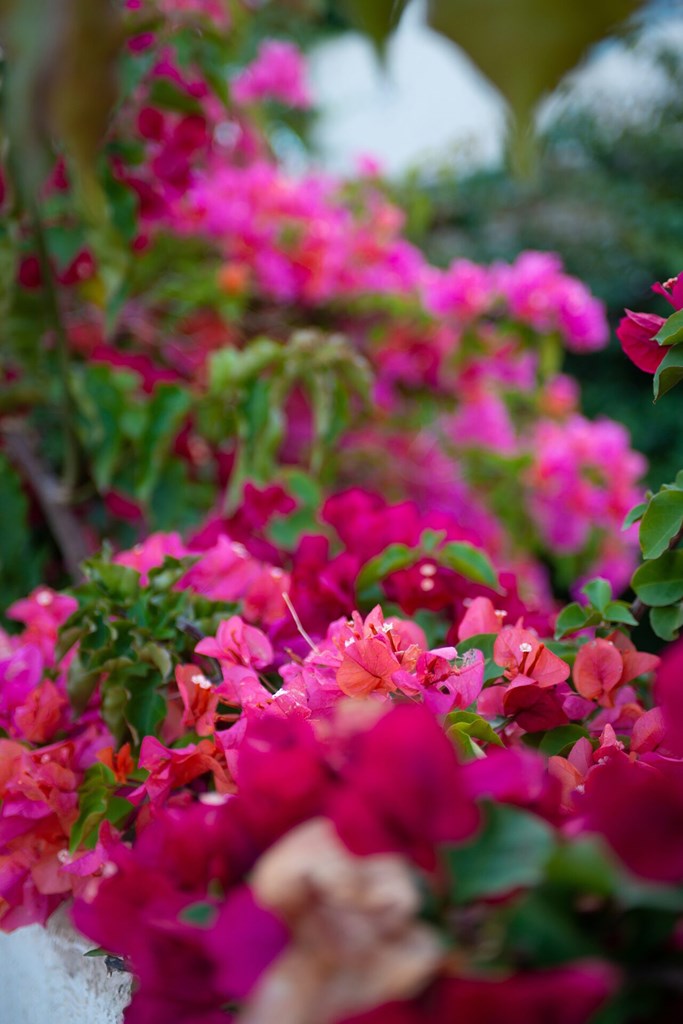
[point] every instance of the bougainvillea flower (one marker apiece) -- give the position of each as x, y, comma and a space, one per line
42, 613
597, 670
403, 790
151, 553
648, 731
367, 667
242, 687
570, 994
224, 573
480, 617
669, 694
601, 667
520, 652
189, 972
636, 333
278, 73
639, 810
533, 707
444, 686
199, 698
38, 807
238, 644
41, 714
514, 775
170, 769
281, 774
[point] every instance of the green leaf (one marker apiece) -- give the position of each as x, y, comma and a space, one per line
571, 619
20, 558
145, 710
669, 372
556, 741
120, 582
583, 865
469, 561
666, 622
511, 851
163, 93
483, 642
158, 656
544, 931
473, 725
598, 592
661, 522
634, 515
93, 795
114, 701
430, 540
81, 684
230, 368
200, 914
168, 407
671, 332
619, 611
660, 581
393, 558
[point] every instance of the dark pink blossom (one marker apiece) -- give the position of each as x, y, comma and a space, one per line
403, 790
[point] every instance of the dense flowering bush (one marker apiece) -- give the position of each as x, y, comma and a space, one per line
230, 320
314, 739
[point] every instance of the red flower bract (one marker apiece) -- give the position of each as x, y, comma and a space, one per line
639, 810
403, 790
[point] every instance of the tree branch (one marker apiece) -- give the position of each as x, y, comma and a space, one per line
51, 497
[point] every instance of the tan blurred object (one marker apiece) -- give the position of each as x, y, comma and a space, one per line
356, 942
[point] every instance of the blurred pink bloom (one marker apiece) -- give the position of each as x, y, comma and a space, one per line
277, 73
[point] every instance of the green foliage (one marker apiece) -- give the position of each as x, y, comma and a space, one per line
666, 622
255, 384
659, 582
599, 612
130, 640
201, 914
21, 558
669, 373
285, 531
671, 332
464, 728
511, 851
483, 642
458, 556
468, 561
661, 521
392, 559
97, 802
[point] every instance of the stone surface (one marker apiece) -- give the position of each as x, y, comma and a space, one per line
45, 977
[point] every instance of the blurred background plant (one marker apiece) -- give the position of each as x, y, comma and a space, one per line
164, 273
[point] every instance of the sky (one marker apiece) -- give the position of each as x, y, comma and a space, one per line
430, 105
